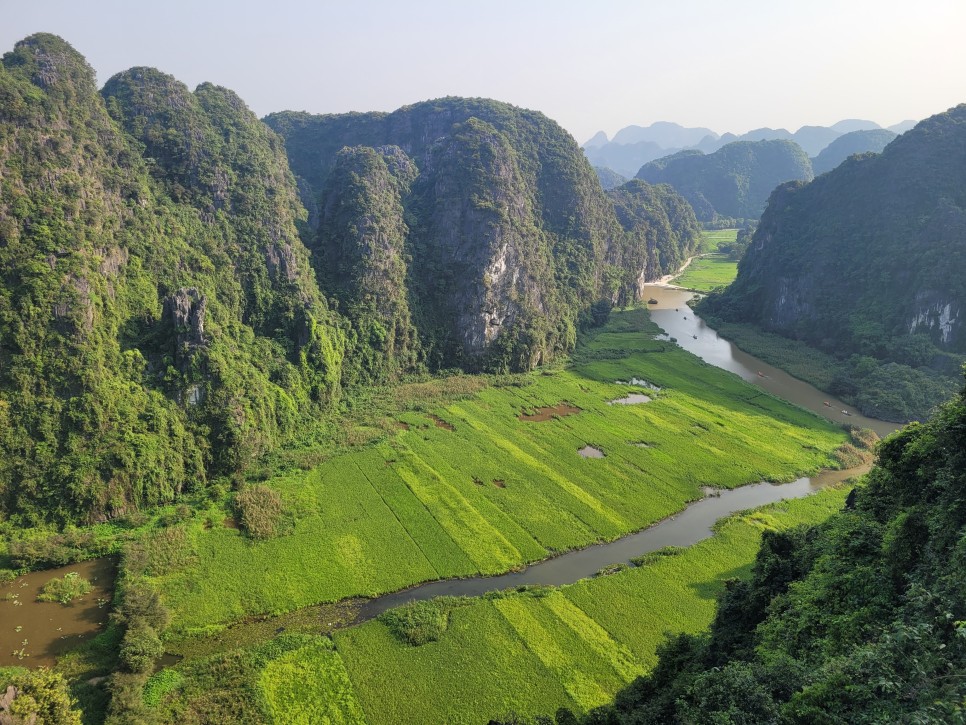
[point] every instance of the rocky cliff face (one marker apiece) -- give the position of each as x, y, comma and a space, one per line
511, 239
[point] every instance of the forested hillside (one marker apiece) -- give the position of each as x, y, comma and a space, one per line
162, 323
511, 243
866, 263
159, 323
733, 182
859, 619
856, 142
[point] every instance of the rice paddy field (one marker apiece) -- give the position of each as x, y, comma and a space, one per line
712, 269
524, 653
460, 485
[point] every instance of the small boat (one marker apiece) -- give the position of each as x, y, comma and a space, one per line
652, 301
828, 404
761, 374
845, 412
695, 337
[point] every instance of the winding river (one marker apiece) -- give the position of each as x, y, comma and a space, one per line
695, 522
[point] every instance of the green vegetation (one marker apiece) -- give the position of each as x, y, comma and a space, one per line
42, 697
609, 179
529, 652
735, 181
421, 503
712, 239
259, 511
859, 619
707, 273
66, 589
856, 142
661, 230
885, 305
417, 623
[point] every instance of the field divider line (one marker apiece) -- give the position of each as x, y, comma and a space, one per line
401, 524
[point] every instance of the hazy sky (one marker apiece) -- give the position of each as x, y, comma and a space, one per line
730, 66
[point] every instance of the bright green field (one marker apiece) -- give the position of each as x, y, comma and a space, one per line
527, 652
711, 239
574, 647
422, 504
706, 273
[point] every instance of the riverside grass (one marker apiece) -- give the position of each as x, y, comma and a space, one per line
528, 652
532, 652
421, 503
707, 273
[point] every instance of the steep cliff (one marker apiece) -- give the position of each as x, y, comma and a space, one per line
661, 232
733, 182
158, 319
360, 257
868, 259
511, 240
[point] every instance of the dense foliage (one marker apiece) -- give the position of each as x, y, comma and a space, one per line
159, 322
661, 230
860, 619
871, 140
735, 180
867, 261
609, 178
508, 243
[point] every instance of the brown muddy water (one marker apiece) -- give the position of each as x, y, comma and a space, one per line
34, 633
691, 332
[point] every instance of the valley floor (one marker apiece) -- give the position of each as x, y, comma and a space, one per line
462, 485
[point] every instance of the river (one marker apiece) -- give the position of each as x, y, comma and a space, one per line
695, 522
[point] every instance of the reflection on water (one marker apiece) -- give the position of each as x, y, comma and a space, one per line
679, 321
33, 633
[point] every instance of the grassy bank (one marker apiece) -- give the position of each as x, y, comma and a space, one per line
707, 273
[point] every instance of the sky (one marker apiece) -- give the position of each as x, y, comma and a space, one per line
602, 65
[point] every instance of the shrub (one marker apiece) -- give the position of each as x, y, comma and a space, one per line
64, 590
42, 697
140, 647
417, 623
259, 511
141, 603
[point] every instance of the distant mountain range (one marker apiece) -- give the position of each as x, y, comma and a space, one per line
634, 146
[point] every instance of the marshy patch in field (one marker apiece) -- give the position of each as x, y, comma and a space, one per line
402, 425
591, 452
643, 444
35, 632
540, 415
230, 523
478, 481
631, 399
440, 423
499, 483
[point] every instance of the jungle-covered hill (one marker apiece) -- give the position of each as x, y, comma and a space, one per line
492, 227
735, 181
868, 264
170, 312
